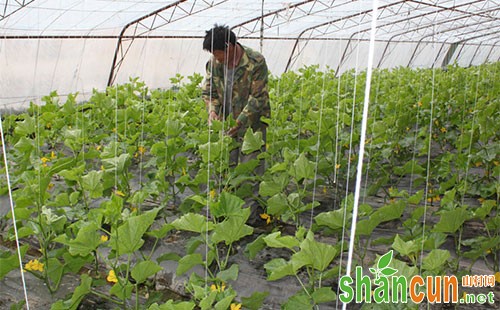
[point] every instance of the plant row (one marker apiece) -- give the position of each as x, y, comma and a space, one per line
92, 181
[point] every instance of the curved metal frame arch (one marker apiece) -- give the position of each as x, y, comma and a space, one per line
116, 65
441, 9
332, 22
270, 14
419, 28
155, 14
435, 33
462, 42
491, 50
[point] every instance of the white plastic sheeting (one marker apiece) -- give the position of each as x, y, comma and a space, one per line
77, 45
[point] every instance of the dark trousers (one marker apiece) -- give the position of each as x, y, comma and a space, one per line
236, 156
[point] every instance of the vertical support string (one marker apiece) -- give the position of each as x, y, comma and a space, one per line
427, 177
469, 148
337, 134
362, 138
225, 153
344, 215
415, 140
209, 128
318, 142
11, 200
262, 27
365, 186
143, 114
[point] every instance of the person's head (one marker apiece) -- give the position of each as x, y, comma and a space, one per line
220, 41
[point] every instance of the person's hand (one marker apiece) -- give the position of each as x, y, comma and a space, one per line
212, 116
233, 131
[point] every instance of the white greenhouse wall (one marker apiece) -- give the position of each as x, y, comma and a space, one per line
155, 61
32, 68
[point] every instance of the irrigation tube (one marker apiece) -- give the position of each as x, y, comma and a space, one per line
13, 216
359, 172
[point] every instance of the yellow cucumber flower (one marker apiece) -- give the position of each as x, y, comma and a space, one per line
217, 288
266, 217
235, 306
212, 194
34, 265
112, 276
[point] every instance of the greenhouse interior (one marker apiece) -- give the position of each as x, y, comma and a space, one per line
237, 154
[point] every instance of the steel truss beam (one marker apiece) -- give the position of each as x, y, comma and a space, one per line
420, 17
462, 8
344, 18
259, 23
16, 6
281, 17
154, 20
449, 56
473, 31
491, 50
467, 14
446, 61
428, 26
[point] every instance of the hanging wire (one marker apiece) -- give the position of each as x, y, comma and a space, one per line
341, 258
362, 138
167, 132
337, 129
415, 136
82, 110
262, 27
269, 137
38, 152
318, 141
365, 186
141, 139
14, 221
339, 153
427, 177
299, 128
469, 148
209, 128
226, 101
115, 138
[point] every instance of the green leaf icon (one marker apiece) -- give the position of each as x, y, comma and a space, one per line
388, 271
384, 260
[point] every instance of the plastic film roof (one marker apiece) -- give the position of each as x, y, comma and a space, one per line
76, 45
407, 20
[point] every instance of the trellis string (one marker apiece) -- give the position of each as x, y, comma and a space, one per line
318, 142
14, 221
349, 152
209, 128
362, 138
427, 177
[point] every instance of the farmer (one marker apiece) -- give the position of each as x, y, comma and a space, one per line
236, 84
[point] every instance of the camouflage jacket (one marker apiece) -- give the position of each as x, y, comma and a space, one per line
250, 98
